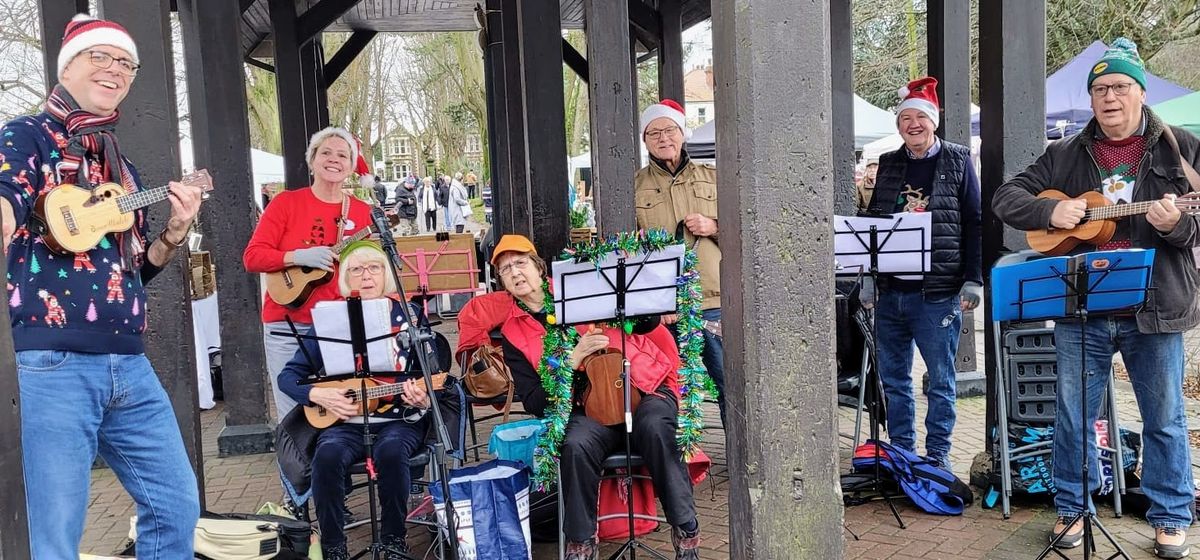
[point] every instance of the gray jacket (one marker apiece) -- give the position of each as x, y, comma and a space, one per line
1068, 165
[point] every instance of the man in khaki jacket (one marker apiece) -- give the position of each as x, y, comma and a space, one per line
680, 196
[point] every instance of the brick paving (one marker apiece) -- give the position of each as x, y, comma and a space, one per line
242, 484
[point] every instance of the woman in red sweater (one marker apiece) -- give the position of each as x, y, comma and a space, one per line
299, 228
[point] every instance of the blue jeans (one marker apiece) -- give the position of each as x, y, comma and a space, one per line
74, 406
714, 358
932, 323
1155, 365
341, 446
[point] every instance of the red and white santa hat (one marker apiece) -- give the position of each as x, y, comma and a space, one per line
667, 108
920, 94
84, 32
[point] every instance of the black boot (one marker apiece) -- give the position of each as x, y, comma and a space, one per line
395, 548
338, 552
586, 550
687, 543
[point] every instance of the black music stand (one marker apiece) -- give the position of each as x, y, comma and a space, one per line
870, 244
619, 280
1080, 283
358, 342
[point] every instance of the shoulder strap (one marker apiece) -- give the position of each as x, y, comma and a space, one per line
1192, 176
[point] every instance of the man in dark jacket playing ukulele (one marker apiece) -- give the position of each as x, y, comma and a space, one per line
1129, 155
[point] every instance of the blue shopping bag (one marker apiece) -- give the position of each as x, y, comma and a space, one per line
491, 502
515, 441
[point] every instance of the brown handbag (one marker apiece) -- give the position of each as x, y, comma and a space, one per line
487, 376
604, 397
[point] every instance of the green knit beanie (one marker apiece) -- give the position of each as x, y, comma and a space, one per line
1121, 58
363, 244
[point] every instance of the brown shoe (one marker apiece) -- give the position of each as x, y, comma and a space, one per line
1072, 538
1170, 542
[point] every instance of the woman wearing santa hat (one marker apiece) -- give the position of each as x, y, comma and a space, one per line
299, 228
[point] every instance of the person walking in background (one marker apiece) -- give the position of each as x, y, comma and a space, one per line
471, 181
406, 207
443, 199
427, 203
460, 206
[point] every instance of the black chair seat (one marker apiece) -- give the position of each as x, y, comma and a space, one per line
419, 460
617, 461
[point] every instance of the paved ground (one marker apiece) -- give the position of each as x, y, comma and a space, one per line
242, 484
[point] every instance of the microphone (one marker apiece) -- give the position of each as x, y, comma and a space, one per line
382, 227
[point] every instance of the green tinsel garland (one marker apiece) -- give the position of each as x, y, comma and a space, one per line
555, 367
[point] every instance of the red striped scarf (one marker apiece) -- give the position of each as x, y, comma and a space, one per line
95, 135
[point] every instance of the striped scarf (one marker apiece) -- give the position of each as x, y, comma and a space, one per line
90, 134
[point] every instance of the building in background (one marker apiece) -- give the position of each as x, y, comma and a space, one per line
400, 154
698, 95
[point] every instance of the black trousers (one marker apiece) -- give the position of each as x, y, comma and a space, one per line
587, 444
430, 220
338, 447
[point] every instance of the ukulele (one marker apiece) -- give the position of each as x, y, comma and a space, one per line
291, 286
73, 219
320, 418
1099, 221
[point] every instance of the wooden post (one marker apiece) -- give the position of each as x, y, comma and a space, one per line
670, 50
777, 278
54, 17
842, 76
1012, 90
149, 133
289, 88
610, 108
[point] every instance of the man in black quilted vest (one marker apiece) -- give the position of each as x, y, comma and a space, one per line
930, 175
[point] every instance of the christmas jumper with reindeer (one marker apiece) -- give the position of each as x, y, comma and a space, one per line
293, 220
93, 302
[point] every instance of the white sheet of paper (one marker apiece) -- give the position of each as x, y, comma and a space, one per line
330, 320
591, 296
852, 253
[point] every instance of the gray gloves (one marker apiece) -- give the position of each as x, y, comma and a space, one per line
314, 257
971, 294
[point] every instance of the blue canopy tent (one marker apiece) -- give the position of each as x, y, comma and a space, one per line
1068, 104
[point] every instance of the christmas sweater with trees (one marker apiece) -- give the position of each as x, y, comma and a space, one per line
84, 302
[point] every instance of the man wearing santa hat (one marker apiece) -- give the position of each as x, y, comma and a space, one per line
679, 195
930, 175
86, 386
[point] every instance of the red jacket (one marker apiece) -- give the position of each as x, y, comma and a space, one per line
297, 220
653, 357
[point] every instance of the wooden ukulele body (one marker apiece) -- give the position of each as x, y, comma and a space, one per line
292, 286
320, 418
75, 219
1056, 242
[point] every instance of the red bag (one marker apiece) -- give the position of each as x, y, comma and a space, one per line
613, 501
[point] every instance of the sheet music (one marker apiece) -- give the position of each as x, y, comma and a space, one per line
590, 294
330, 320
905, 249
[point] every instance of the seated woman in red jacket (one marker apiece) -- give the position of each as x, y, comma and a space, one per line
654, 370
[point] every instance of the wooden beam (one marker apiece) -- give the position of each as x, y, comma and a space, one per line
644, 18
289, 88
259, 64
245, 4
55, 14
611, 97
320, 16
841, 52
154, 136
949, 48
783, 452
670, 51
497, 125
346, 55
574, 60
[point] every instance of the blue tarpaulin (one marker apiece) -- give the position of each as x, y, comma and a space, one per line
1067, 98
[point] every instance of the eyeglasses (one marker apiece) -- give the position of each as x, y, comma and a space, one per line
515, 263
1121, 89
656, 134
373, 268
101, 59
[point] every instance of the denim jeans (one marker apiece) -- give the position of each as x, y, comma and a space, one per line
74, 406
1155, 365
932, 323
279, 351
341, 446
714, 357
